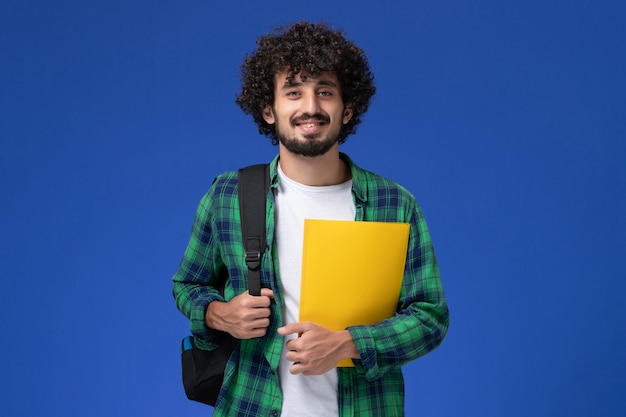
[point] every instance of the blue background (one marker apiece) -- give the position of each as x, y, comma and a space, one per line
506, 119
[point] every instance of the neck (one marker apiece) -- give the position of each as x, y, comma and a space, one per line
327, 169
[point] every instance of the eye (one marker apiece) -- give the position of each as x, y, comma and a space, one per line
325, 93
292, 93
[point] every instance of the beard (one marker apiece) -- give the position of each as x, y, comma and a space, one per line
312, 145
309, 147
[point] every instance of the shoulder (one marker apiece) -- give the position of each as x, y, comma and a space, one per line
384, 199
224, 185
377, 181
221, 193
378, 187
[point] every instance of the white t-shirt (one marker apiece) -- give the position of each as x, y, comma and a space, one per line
314, 396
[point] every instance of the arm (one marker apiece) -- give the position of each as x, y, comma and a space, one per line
198, 276
214, 249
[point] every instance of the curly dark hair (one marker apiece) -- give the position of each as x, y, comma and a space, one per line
307, 49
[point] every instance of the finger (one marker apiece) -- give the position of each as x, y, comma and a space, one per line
254, 333
292, 356
261, 324
252, 313
297, 368
293, 328
257, 301
266, 292
292, 345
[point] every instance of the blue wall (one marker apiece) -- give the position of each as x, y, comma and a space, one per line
505, 118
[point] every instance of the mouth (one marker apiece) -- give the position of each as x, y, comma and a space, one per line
310, 124
310, 127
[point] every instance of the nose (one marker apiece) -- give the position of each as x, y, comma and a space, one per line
310, 103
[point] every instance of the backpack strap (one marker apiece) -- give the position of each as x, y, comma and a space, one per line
254, 184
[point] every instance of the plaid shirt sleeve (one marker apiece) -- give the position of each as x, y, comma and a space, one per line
202, 269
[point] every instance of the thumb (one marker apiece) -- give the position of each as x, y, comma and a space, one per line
293, 328
267, 292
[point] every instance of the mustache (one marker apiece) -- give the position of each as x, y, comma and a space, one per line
307, 116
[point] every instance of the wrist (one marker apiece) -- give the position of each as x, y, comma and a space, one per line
348, 347
211, 315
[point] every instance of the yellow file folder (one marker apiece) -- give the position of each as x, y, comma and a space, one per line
351, 272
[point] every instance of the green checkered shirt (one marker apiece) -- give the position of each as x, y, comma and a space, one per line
375, 385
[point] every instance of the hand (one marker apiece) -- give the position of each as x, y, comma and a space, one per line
317, 350
244, 316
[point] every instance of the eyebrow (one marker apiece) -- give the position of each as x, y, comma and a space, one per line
323, 83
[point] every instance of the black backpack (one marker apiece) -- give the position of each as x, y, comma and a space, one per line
203, 370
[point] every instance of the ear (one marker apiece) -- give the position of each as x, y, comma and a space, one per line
268, 115
347, 113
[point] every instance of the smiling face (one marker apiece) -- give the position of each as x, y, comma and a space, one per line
308, 114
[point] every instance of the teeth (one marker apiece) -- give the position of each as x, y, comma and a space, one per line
310, 124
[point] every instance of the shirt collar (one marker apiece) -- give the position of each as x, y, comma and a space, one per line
359, 180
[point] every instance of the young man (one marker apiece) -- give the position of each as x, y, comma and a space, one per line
306, 87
